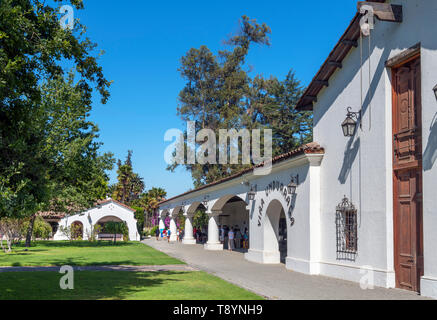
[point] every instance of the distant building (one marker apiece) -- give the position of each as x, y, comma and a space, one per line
104, 211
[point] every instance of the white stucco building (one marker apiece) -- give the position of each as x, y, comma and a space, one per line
104, 211
363, 202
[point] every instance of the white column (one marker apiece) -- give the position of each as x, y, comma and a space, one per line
188, 231
173, 236
311, 263
213, 243
161, 225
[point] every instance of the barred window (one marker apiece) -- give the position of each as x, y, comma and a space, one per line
347, 230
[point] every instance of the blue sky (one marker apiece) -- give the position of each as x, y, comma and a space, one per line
145, 40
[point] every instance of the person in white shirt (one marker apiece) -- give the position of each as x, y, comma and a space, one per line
231, 236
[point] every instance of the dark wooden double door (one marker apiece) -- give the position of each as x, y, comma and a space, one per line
407, 167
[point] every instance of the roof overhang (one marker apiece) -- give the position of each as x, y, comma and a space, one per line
334, 61
310, 153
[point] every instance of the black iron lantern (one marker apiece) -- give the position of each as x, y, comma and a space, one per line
205, 201
349, 125
252, 193
292, 186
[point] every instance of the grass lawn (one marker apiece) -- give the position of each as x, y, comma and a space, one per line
97, 285
84, 253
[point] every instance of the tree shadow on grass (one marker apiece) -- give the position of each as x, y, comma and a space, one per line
84, 253
75, 262
88, 285
78, 244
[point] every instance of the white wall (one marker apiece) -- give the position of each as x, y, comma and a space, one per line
361, 168
303, 246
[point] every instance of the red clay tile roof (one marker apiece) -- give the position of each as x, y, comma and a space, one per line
310, 148
328, 68
60, 215
51, 215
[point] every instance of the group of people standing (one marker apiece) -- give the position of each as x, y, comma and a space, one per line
234, 237
201, 237
166, 233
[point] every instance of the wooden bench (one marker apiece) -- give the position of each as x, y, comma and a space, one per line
108, 236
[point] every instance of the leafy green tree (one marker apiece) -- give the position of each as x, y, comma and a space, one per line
33, 49
220, 94
130, 185
273, 106
154, 196
147, 203
139, 216
41, 229
75, 172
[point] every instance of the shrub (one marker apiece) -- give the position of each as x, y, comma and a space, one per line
153, 230
92, 236
72, 232
41, 229
200, 219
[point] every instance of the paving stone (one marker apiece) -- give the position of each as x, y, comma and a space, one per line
274, 281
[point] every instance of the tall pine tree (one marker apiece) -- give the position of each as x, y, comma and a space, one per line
220, 94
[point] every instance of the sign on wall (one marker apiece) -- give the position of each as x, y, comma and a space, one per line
282, 190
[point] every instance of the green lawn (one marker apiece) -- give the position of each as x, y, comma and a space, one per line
96, 285
58, 253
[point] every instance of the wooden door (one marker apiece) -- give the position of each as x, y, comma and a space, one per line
407, 166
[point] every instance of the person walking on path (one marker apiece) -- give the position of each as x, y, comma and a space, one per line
231, 236
168, 235
182, 235
157, 234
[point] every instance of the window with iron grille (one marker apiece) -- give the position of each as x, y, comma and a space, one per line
347, 230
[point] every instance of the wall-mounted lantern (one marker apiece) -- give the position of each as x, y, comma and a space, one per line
205, 201
349, 125
252, 193
292, 186
435, 91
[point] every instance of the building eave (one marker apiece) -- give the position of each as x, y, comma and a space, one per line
308, 149
332, 63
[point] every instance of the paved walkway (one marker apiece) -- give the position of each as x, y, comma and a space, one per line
105, 268
273, 281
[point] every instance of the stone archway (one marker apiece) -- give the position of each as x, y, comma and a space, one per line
275, 232
103, 235
199, 231
234, 216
